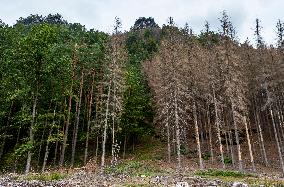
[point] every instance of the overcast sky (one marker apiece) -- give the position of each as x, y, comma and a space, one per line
99, 14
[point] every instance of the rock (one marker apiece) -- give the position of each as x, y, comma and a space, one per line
239, 184
182, 184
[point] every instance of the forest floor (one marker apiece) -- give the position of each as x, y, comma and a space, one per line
147, 167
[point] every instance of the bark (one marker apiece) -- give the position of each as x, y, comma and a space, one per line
249, 145
46, 151
277, 140
74, 142
31, 132
197, 136
113, 124
56, 148
89, 119
47, 144
105, 127
41, 142
65, 136
210, 135
261, 140
177, 130
231, 148
168, 136
217, 124
237, 138
97, 148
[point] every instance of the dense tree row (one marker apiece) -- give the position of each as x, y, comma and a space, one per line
218, 98
66, 92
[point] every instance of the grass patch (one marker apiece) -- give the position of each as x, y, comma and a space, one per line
46, 176
133, 168
223, 173
232, 176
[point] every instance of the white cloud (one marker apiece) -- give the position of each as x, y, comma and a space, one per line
99, 14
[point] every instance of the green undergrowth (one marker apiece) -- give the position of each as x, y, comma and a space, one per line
45, 176
233, 176
134, 168
224, 173
151, 150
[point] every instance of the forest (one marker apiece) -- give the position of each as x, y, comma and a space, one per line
72, 96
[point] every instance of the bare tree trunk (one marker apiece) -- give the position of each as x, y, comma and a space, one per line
237, 138
177, 130
277, 141
226, 133
113, 159
28, 165
280, 128
74, 142
197, 136
218, 130
249, 144
105, 126
231, 148
168, 135
210, 135
261, 140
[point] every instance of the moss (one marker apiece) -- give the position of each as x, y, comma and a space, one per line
46, 176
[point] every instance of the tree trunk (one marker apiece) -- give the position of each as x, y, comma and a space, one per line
47, 144
41, 142
168, 135
177, 131
261, 140
197, 136
31, 133
89, 119
237, 139
105, 127
74, 142
113, 156
249, 144
46, 151
65, 136
231, 148
56, 148
97, 148
277, 141
210, 135
217, 123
